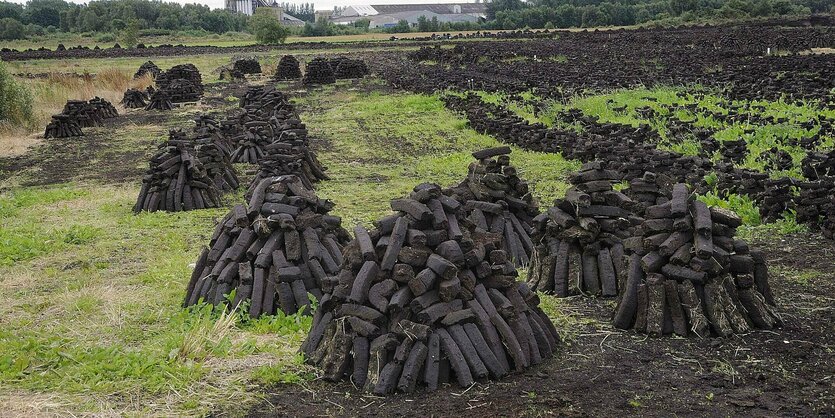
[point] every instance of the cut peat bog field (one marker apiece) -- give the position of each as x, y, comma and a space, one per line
621, 222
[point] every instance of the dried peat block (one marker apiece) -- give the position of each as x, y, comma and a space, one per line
426, 298
274, 251
494, 199
593, 221
176, 180
688, 274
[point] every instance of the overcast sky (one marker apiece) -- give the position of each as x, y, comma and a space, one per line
320, 5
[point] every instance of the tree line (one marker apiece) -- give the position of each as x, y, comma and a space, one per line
515, 14
38, 17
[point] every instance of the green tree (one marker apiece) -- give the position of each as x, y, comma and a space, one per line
362, 23
11, 29
130, 35
266, 27
423, 24
402, 26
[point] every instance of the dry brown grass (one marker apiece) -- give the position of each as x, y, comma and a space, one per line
52, 92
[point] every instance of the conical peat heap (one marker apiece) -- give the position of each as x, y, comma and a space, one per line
84, 113
62, 126
147, 68
247, 66
255, 128
497, 200
182, 82
420, 302
272, 251
688, 274
319, 71
349, 68
134, 99
160, 100
287, 69
103, 107
289, 152
579, 241
210, 151
176, 181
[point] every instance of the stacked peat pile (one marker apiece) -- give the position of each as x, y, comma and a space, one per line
249, 146
176, 181
134, 99
160, 100
580, 240
349, 68
289, 154
182, 82
147, 68
62, 126
686, 273
287, 69
247, 66
319, 71
496, 200
421, 301
212, 152
84, 113
103, 108
79, 114
273, 251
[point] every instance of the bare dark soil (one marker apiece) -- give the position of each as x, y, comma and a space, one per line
606, 372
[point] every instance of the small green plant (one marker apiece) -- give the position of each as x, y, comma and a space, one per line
80, 235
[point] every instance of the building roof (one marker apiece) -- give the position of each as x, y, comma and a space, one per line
363, 10
439, 8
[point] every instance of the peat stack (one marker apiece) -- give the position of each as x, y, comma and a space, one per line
290, 155
84, 113
62, 126
183, 83
272, 251
350, 68
160, 100
176, 181
580, 240
247, 66
649, 190
147, 68
104, 108
268, 117
319, 71
249, 146
686, 273
134, 99
287, 69
212, 152
497, 200
420, 301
